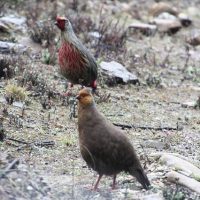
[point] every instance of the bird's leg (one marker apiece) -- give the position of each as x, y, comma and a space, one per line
95, 92
114, 182
97, 183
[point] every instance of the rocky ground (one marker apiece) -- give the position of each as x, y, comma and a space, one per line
160, 112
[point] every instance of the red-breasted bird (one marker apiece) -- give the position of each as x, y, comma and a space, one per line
76, 63
103, 146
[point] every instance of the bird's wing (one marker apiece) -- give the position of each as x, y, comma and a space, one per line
89, 59
109, 145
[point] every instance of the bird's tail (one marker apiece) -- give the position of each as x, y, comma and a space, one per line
141, 177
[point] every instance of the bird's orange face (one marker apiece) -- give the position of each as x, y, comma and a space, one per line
61, 23
85, 97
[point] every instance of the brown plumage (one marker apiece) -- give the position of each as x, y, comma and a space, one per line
104, 147
76, 62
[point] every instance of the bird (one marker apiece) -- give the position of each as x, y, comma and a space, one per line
103, 146
77, 64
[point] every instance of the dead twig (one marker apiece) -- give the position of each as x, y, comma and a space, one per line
124, 126
36, 143
44, 143
187, 50
17, 140
12, 165
37, 188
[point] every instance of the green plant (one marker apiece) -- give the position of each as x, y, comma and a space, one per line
48, 57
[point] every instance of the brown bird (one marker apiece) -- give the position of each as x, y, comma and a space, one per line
76, 62
104, 147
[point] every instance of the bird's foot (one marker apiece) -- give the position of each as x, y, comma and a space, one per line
94, 189
91, 188
114, 187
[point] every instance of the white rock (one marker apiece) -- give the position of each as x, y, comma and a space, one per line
147, 29
166, 15
167, 25
16, 20
194, 37
18, 104
8, 47
189, 104
153, 197
160, 7
120, 73
185, 20
180, 164
30, 188
188, 182
195, 88
95, 34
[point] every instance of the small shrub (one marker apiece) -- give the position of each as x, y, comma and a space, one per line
42, 32
14, 92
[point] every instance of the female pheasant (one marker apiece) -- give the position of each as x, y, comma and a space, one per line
105, 148
76, 62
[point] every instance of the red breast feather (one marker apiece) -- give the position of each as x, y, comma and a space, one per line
72, 63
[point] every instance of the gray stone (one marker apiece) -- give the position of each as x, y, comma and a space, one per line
194, 37
189, 104
181, 179
18, 104
161, 7
14, 22
153, 197
146, 29
184, 19
9, 47
95, 34
179, 164
117, 73
167, 25
4, 27
166, 15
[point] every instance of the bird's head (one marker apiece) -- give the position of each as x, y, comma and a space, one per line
85, 97
63, 24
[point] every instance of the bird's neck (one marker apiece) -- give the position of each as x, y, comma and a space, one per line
85, 112
87, 107
85, 117
64, 37
68, 37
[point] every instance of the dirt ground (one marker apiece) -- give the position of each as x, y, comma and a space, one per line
43, 139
